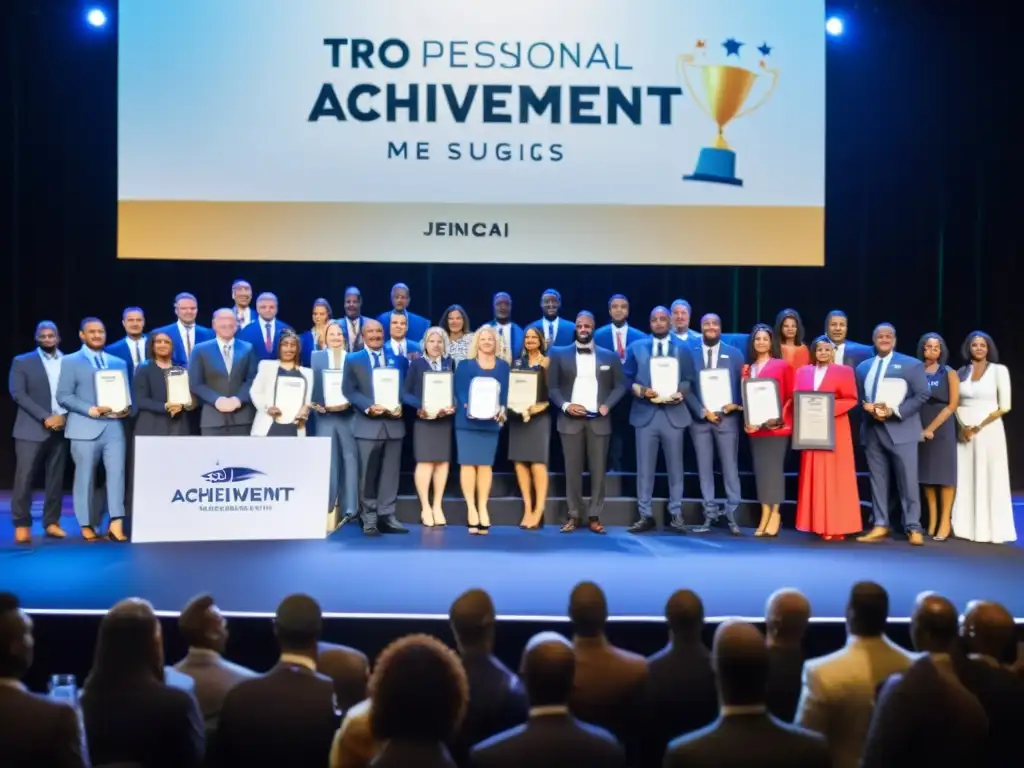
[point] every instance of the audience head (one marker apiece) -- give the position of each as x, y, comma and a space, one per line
16, 642
588, 610
129, 643
867, 610
298, 624
988, 629
786, 617
202, 625
419, 691
740, 659
684, 613
933, 625
547, 669
472, 618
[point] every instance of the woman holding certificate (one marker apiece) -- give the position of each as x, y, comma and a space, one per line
282, 391
314, 340
789, 339
529, 437
828, 502
767, 392
429, 391
160, 391
936, 453
481, 393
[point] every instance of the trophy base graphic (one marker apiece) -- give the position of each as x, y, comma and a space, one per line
717, 166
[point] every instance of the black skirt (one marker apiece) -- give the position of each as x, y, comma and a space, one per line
769, 455
530, 442
432, 440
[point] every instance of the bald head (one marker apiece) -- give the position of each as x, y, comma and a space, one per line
740, 658
933, 625
988, 629
588, 610
548, 667
373, 335
787, 614
684, 613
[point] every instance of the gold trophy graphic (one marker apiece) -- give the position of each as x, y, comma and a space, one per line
726, 89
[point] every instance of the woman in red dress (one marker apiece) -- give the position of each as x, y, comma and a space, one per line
828, 502
789, 339
769, 442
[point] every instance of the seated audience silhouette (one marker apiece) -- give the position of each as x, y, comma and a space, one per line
786, 617
348, 668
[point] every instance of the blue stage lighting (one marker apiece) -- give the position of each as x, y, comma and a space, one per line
96, 17
834, 26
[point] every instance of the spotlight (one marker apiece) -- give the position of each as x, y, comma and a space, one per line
834, 26
96, 17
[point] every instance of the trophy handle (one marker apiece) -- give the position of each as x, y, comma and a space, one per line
768, 94
685, 61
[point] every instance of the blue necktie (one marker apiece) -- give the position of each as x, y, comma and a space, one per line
376, 359
876, 375
98, 360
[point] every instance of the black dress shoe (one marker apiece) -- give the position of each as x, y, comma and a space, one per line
370, 530
390, 525
678, 524
643, 525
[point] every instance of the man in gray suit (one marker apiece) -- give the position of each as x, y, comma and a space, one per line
220, 373
38, 433
584, 428
206, 631
378, 431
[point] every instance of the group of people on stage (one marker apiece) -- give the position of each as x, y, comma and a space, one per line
945, 433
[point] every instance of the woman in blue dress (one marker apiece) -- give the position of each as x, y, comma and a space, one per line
476, 439
936, 453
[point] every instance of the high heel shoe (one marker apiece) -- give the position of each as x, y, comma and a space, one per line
766, 516
427, 518
473, 522
774, 521
485, 522
440, 521
536, 519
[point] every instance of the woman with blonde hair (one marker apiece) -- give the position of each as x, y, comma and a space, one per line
432, 432
529, 437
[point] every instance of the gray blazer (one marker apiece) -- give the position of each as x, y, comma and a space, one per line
30, 390
611, 386
357, 384
214, 676
209, 380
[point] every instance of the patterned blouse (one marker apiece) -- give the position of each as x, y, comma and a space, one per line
459, 350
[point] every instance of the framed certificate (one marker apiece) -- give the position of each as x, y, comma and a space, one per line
761, 401
814, 423
484, 398
112, 390
290, 398
584, 392
715, 389
386, 390
892, 392
523, 387
332, 381
178, 391
438, 394
665, 376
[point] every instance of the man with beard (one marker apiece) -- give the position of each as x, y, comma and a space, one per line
617, 337
556, 331
584, 383
510, 335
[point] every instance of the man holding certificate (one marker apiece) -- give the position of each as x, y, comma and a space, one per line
93, 387
584, 382
221, 373
892, 388
661, 373
718, 423
373, 382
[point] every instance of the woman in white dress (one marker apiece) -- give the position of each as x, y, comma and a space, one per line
983, 510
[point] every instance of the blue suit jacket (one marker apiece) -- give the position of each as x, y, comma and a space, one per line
76, 391
517, 338
29, 387
357, 384
122, 350
411, 348
565, 331
728, 357
854, 354
319, 363
416, 329
200, 334
692, 339
905, 428
637, 370
253, 334
604, 338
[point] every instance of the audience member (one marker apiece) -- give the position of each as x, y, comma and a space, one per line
131, 715
786, 617
354, 744
681, 693
419, 693
926, 716
34, 731
497, 700
348, 668
839, 689
287, 716
745, 734
552, 737
204, 628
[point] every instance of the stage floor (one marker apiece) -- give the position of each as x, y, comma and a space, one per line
529, 573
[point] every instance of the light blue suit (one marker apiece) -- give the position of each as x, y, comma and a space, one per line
92, 440
344, 450
894, 440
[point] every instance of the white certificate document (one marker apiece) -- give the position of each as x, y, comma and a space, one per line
332, 381
178, 392
584, 392
761, 401
385, 388
484, 398
891, 392
522, 390
290, 398
437, 392
814, 421
665, 376
715, 389
112, 390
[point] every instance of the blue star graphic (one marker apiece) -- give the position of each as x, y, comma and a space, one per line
765, 49
732, 48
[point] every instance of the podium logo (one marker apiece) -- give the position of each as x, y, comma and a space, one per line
231, 474
234, 489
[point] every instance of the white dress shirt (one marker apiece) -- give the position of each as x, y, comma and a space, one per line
188, 338
586, 367
227, 352
51, 364
684, 336
714, 354
137, 349
879, 365
336, 358
504, 334
819, 375
352, 331
840, 351
619, 336
244, 316
399, 347
550, 330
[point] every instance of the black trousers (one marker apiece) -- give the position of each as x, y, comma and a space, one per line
29, 455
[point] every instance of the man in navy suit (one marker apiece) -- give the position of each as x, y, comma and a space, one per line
718, 431
132, 348
510, 335
38, 433
265, 333
403, 348
352, 323
616, 337
890, 433
220, 376
556, 331
185, 333
378, 432
96, 433
848, 352
659, 419
416, 325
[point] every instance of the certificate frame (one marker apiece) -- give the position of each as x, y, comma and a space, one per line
278, 390
387, 375
470, 398
766, 383
517, 380
803, 400
670, 363
104, 380
449, 382
329, 385
712, 373
180, 373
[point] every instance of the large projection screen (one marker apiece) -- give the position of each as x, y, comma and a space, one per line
527, 131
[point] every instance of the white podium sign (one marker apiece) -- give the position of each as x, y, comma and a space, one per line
230, 488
